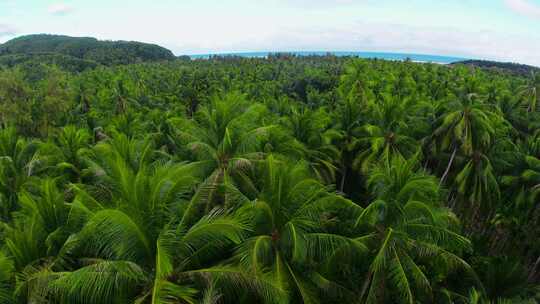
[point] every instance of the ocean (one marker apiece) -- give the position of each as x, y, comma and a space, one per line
378, 55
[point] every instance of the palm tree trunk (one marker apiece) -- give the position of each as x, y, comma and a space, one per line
448, 167
343, 176
366, 284
532, 274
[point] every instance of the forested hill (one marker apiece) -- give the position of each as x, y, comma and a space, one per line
514, 68
49, 47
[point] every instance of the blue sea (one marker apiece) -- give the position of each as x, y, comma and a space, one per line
378, 55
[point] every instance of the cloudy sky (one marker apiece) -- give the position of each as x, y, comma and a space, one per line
492, 29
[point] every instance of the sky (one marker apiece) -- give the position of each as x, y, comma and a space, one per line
506, 30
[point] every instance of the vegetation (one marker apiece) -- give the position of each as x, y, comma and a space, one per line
508, 67
279, 180
80, 50
65, 62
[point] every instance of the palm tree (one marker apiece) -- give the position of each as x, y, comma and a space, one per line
467, 126
405, 84
223, 140
120, 96
83, 95
136, 153
355, 83
35, 238
531, 92
525, 180
124, 262
389, 130
139, 242
19, 161
408, 232
6, 279
478, 133
522, 189
349, 119
69, 152
511, 110
312, 137
288, 240
15, 100
506, 281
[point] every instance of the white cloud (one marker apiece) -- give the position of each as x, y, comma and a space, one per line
524, 7
6, 30
284, 25
59, 9
372, 36
324, 2
316, 4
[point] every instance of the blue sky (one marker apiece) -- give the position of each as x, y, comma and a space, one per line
492, 29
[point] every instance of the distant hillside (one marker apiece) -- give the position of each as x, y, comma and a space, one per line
514, 68
85, 48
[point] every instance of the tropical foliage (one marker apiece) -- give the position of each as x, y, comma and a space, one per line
269, 180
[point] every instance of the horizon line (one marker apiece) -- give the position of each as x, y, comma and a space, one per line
352, 53
398, 56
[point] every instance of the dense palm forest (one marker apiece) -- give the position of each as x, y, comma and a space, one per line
278, 180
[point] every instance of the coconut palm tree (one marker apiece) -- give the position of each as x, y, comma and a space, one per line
467, 126
389, 130
531, 92
525, 180
124, 262
312, 137
408, 232
349, 119
15, 101
6, 279
288, 239
19, 162
135, 152
68, 152
136, 243
479, 134
522, 189
35, 238
223, 140
355, 83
